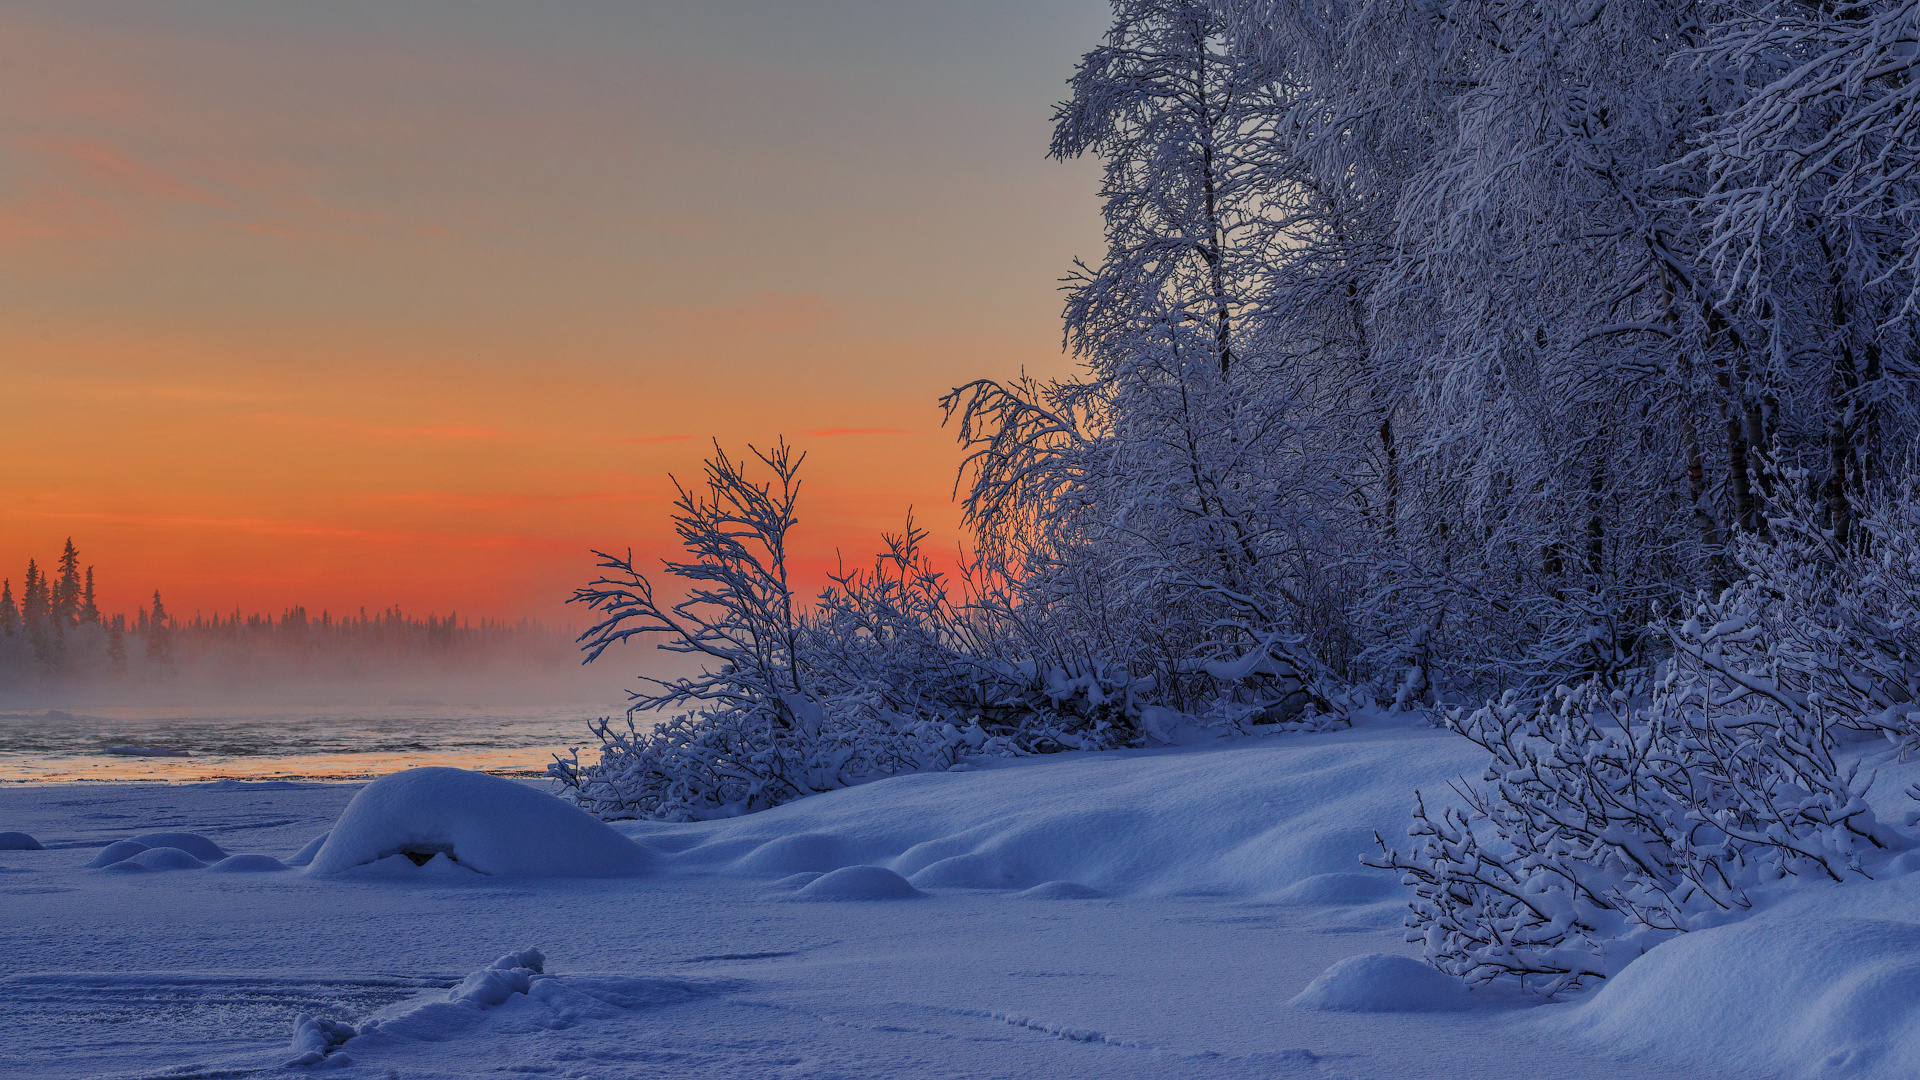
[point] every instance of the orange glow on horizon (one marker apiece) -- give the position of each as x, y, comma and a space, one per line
416, 311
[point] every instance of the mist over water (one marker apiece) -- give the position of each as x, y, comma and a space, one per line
254, 743
507, 721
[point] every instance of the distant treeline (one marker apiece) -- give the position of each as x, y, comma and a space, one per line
54, 633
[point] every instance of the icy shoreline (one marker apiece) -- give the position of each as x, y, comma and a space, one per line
1227, 880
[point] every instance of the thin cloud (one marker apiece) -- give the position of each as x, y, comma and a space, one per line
348, 427
292, 527
510, 500
447, 431
110, 167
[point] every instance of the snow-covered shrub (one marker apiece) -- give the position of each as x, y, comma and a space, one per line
1602, 826
760, 725
1438, 640
1609, 818
1820, 631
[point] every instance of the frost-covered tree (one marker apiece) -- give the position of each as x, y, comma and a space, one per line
759, 725
1155, 506
1443, 349
1814, 218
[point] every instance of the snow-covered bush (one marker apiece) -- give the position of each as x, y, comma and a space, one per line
1601, 827
1605, 822
759, 725
1821, 632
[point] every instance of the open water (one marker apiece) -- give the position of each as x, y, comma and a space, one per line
200, 743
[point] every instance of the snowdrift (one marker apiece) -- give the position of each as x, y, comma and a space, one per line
1383, 982
1807, 997
483, 823
1254, 818
516, 984
859, 883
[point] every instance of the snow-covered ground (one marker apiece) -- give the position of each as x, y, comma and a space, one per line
1145, 914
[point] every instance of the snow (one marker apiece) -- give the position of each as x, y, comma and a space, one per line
860, 883
192, 843
1062, 890
1813, 998
251, 863
1384, 982
164, 858
1205, 918
116, 852
304, 857
485, 823
1156, 823
18, 841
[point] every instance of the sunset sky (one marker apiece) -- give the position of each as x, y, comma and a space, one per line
348, 303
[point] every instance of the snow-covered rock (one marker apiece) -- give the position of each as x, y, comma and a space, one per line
1800, 997
1384, 982
482, 822
860, 883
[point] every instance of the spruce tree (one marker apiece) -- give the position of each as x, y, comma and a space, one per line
33, 600
9, 611
65, 593
35, 611
117, 644
89, 610
159, 634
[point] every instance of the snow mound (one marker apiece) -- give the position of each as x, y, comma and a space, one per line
314, 1039
305, 855
1062, 890
491, 985
164, 858
1383, 982
1813, 998
18, 841
802, 853
1252, 818
124, 866
514, 995
483, 822
192, 843
115, 852
1343, 889
247, 864
860, 883
795, 881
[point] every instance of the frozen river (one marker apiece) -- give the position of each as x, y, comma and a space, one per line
201, 743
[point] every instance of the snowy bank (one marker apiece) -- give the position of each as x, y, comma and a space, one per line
1285, 817
1805, 998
